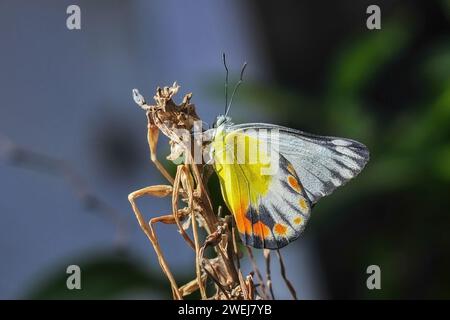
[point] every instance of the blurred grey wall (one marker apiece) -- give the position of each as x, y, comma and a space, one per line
68, 94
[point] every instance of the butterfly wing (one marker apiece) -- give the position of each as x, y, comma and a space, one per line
322, 163
270, 210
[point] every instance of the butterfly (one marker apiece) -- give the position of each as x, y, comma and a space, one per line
272, 207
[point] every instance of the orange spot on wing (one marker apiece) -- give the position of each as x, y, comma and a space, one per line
280, 229
261, 230
298, 220
243, 224
294, 183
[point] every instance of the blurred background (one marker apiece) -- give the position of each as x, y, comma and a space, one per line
73, 143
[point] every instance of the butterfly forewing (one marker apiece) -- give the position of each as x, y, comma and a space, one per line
322, 163
285, 209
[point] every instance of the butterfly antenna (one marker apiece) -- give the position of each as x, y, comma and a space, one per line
235, 88
226, 80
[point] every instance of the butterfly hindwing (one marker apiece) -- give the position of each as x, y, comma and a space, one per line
285, 208
270, 210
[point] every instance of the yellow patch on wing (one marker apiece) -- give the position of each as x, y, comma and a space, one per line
236, 161
294, 184
280, 229
298, 220
303, 205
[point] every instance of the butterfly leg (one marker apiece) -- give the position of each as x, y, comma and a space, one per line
152, 139
156, 191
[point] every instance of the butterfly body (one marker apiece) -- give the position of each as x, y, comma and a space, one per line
270, 176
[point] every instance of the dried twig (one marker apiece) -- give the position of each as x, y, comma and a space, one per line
257, 272
283, 274
268, 273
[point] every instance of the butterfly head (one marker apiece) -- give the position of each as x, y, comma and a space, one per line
221, 121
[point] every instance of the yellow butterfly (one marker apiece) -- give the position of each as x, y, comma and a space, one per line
271, 176
272, 207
